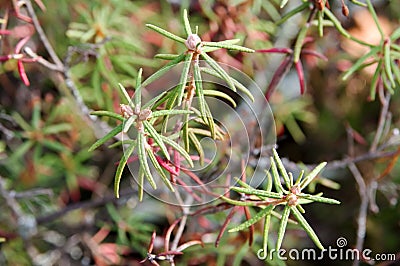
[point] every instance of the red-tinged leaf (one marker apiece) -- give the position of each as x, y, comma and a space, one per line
101, 234
171, 252
194, 177
278, 75
22, 73
188, 189
300, 73
151, 244
21, 44
130, 160
5, 32
168, 234
225, 224
276, 50
166, 165
177, 161
314, 53
4, 58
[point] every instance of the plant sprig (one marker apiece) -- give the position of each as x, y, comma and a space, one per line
292, 198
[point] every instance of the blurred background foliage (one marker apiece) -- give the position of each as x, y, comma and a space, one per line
46, 167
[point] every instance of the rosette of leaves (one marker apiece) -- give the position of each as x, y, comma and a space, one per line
292, 198
148, 141
191, 81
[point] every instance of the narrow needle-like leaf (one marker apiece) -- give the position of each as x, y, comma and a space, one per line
125, 93
214, 65
156, 137
166, 33
163, 70
319, 199
197, 146
127, 153
204, 111
181, 150
143, 160
277, 181
257, 192
159, 169
184, 76
281, 168
267, 222
311, 175
188, 30
138, 90
282, 226
388, 66
306, 226
266, 211
109, 114
108, 136
228, 46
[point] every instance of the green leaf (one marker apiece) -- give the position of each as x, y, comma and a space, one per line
185, 72
388, 66
228, 46
197, 145
185, 133
154, 100
304, 183
257, 192
282, 226
204, 111
166, 56
214, 65
128, 123
58, 128
263, 212
181, 150
336, 23
125, 93
356, 66
159, 169
143, 160
283, 3
238, 85
281, 168
186, 23
166, 33
138, 90
267, 223
277, 180
214, 93
109, 114
140, 183
127, 153
108, 136
319, 199
374, 81
170, 112
302, 221
226, 42
293, 12
299, 43
154, 134
395, 70
163, 70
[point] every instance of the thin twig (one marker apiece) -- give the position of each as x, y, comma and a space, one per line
385, 100
42, 35
362, 215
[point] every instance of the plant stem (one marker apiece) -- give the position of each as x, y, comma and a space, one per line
375, 17
43, 36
